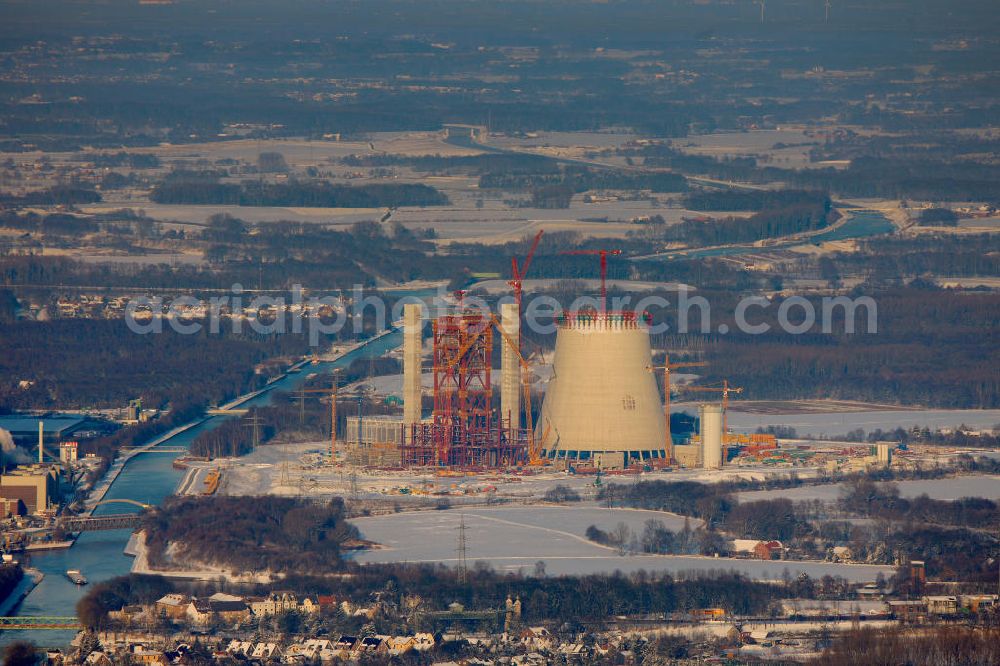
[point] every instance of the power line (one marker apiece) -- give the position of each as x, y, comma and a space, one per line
463, 566
253, 421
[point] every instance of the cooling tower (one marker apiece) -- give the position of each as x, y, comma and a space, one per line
602, 398
510, 369
412, 367
711, 435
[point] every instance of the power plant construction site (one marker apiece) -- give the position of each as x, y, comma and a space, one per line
468, 441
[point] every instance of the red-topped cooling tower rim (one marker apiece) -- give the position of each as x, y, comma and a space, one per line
628, 318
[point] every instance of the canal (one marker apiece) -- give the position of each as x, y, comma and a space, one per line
148, 478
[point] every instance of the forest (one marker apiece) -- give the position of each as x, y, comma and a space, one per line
249, 534
925, 179
927, 350
581, 179
752, 200
10, 576
792, 218
918, 528
79, 363
198, 189
52, 196
936, 646
890, 260
882, 500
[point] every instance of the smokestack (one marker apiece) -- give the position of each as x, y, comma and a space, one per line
510, 396
711, 436
41, 439
412, 365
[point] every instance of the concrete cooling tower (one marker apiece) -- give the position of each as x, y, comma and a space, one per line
602, 403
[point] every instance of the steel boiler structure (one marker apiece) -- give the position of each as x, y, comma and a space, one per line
465, 431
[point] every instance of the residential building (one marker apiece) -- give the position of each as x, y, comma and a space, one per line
942, 605
174, 606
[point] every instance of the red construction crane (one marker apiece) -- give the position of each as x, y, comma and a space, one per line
518, 273
667, 367
604, 271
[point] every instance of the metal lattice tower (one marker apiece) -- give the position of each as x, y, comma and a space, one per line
463, 389
464, 432
254, 421
463, 565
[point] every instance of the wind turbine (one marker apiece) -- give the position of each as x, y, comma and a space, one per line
761, 3
827, 6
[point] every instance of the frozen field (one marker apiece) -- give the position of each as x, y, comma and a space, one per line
515, 538
976, 485
840, 423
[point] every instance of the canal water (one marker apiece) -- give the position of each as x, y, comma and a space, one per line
148, 478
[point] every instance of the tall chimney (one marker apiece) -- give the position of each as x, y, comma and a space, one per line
510, 396
41, 439
412, 365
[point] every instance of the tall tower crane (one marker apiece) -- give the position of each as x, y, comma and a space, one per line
604, 270
332, 392
667, 367
518, 273
725, 389
534, 447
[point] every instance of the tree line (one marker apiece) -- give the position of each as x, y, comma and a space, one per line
201, 191
769, 223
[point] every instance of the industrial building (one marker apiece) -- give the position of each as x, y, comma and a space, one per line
37, 486
602, 401
68, 452
378, 442
24, 429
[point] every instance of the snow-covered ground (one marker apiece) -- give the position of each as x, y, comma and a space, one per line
973, 485
515, 538
840, 423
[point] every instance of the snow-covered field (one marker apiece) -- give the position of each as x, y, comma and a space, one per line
842, 422
515, 538
975, 485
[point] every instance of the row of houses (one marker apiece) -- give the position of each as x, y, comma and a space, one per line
230, 609
345, 648
532, 645
941, 605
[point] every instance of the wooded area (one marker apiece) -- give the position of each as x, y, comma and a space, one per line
249, 534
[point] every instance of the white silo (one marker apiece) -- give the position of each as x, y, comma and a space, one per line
711, 435
602, 403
